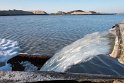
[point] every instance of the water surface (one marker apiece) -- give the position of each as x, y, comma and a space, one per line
49, 34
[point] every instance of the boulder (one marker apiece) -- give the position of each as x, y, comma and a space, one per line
118, 50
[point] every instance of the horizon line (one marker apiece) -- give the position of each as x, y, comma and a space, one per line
58, 10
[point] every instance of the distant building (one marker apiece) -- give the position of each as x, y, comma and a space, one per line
39, 12
60, 13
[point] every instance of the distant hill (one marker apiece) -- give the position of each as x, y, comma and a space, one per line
81, 12
21, 12
40, 12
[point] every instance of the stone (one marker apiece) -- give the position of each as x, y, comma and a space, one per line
33, 59
118, 50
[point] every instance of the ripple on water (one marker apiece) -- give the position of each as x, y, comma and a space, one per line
49, 34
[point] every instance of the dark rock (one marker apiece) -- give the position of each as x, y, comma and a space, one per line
35, 60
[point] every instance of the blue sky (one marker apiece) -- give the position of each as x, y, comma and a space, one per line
64, 5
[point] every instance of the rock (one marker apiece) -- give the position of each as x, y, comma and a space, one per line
37, 61
118, 50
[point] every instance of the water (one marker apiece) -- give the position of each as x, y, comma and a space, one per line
49, 34
8, 50
83, 50
89, 54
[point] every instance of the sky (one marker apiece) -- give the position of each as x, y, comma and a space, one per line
106, 6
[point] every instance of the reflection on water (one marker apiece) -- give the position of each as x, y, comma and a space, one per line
48, 34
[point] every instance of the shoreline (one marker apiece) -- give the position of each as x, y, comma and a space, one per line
40, 12
58, 15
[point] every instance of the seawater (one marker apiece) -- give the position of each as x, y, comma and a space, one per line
90, 54
49, 34
81, 51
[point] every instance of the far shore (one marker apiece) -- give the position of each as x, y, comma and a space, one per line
40, 12
56, 15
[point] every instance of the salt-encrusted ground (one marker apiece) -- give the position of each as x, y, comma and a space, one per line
15, 77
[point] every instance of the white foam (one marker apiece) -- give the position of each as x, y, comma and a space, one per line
80, 51
8, 50
28, 66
